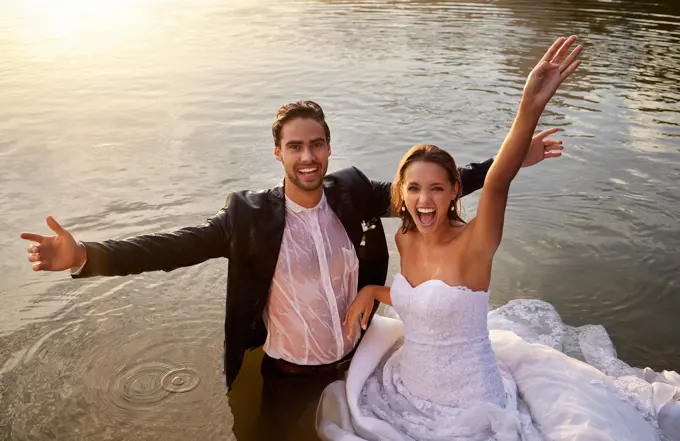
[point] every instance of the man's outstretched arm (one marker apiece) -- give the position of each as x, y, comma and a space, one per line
150, 252
472, 176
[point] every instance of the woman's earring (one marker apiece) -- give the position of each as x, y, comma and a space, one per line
403, 206
453, 207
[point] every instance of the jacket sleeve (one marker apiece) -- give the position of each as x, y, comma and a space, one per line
472, 176
161, 251
382, 192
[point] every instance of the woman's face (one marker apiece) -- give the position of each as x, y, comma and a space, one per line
427, 193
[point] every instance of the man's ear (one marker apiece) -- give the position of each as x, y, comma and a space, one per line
277, 153
330, 150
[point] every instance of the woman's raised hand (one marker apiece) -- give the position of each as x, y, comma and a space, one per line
555, 67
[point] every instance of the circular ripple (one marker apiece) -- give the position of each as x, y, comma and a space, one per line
149, 377
181, 380
142, 385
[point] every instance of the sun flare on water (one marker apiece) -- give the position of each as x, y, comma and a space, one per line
62, 25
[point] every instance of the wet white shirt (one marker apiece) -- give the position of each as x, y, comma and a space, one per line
314, 283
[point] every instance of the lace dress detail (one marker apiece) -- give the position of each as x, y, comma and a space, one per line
445, 348
538, 322
437, 366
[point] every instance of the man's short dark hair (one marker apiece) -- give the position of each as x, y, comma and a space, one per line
299, 109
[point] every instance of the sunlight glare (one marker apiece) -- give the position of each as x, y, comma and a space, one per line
60, 25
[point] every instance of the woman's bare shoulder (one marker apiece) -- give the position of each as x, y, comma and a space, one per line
402, 238
457, 232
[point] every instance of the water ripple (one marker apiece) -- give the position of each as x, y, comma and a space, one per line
123, 133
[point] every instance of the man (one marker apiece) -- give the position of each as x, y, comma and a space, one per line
298, 253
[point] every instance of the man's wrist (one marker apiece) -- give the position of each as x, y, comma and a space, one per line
81, 259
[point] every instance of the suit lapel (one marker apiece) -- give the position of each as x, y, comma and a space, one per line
339, 201
270, 228
341, 204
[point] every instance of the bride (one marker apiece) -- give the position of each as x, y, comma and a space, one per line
445, 369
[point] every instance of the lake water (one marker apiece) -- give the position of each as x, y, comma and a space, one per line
128, 117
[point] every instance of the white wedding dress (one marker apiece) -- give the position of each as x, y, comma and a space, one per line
444, 368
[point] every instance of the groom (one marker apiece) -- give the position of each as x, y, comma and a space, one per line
297, 254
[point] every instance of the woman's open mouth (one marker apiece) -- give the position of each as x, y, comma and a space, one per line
426, 216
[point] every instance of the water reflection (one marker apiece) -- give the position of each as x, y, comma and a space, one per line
122, 366
144, 117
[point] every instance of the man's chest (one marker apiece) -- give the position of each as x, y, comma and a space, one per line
315, 245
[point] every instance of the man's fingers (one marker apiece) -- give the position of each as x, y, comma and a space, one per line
551, 141
33, 237
548, 132
553, 49
54, 225
33, 248
553, 147
34, 257
42, 266
553, 154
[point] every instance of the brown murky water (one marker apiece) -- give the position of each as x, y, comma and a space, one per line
141, 116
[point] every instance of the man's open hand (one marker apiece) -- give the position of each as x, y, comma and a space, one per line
54, 253
543, 148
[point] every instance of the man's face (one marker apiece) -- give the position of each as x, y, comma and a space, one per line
304, 153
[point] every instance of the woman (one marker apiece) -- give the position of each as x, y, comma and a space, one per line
438, 374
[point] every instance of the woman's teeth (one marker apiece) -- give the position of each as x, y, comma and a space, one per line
426, 216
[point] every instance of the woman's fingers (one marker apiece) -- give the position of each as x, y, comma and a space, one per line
350, 331
352, 317
562, 52
571, 58
365, 316
569, 70
550, 54
350, 320
545, 68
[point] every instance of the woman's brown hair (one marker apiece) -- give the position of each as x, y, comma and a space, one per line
425, 153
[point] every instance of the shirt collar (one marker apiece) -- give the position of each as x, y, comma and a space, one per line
299, 208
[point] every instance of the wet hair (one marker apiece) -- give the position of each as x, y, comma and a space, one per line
299, 109
432, 154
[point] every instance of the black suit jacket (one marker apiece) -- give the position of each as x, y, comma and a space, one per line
248, 231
